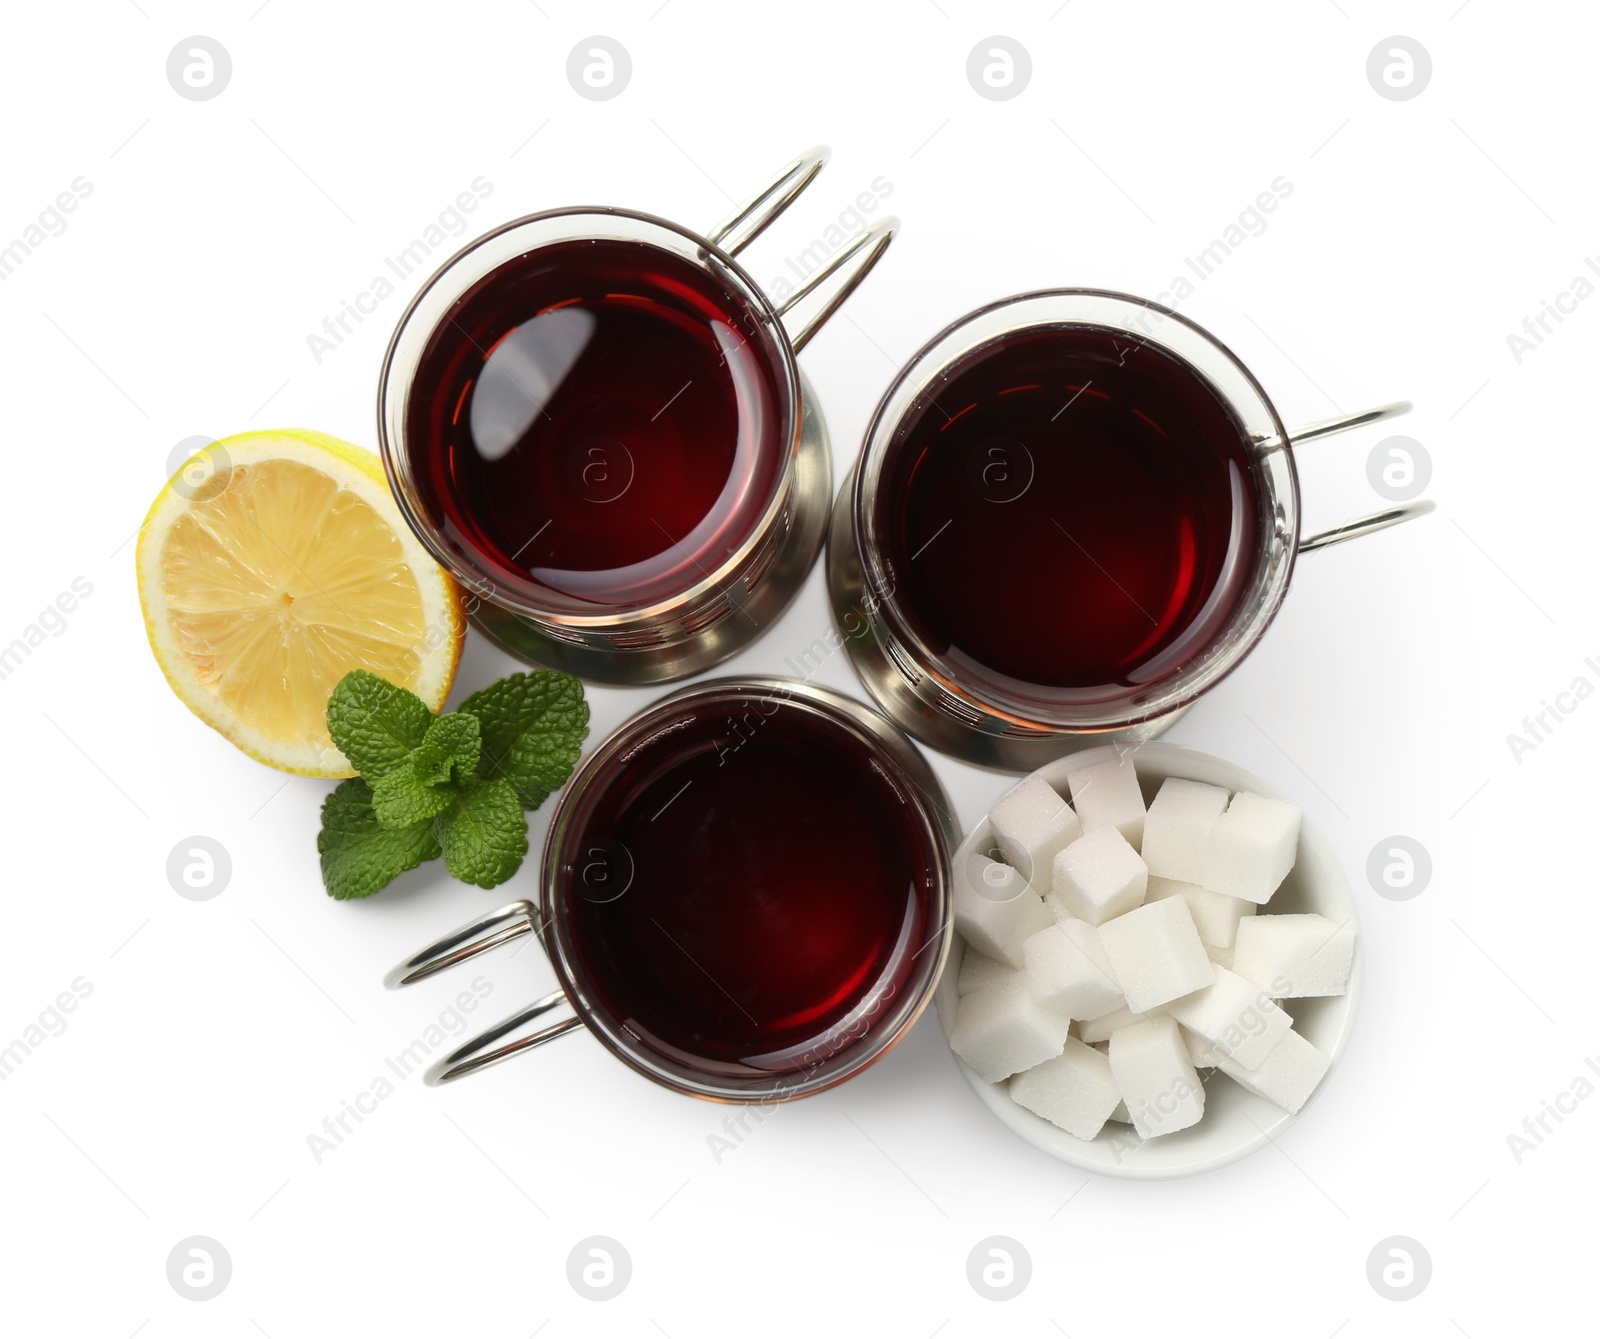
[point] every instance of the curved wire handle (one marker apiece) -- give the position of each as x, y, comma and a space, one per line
1328, 427
1373, 521
457, 1066
752, 218
511, 921
874, 241
1366, 525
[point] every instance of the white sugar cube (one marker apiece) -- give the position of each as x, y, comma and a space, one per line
1002, 1029
1151, 1065
1236, 1016
1108, 795
1030, 824
1156, 954
1200, 1055
1216, 915
1119, 1113
1097, 877
1252, 847
1096, 1030
1068, 970
1295, 956
978, 971
995, 910
1075, 1090
1177, 828
1288, 1076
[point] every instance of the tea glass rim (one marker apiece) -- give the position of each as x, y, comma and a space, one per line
476, 261
1268, 450
938, 832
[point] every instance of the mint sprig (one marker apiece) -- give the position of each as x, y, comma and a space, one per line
454, 785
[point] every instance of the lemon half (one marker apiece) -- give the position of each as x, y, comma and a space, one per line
270, 566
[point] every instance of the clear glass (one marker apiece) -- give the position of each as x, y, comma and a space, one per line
477, 262
858, 1043
1003, 705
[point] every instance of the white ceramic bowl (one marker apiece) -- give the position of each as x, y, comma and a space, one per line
1235, 1122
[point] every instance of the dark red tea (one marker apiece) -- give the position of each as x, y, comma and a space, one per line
599, 420
747, 891
1073, 509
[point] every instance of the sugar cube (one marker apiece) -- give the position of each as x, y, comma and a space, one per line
1068, 969
978, 971
1030, 824
1097, 877
1216, 915
1002, 1029
1151, 1065
1108, 795
1156, 954
1075, 1090
995, 909
1295, 955
1236, 1016
1096, 1030
1177, 829
1119, 1113
1252, 847
1288, 1076
1200, 1055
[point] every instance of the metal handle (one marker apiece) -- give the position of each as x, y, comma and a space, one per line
511, 921
456, 1065
753, 217
1374, 521
1365, 525
1328, 427
875, 241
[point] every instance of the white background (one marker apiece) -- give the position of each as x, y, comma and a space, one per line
219, 1034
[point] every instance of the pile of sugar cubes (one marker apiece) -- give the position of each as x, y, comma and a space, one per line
1111, 952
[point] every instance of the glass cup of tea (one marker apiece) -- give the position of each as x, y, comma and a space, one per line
745, 895
594, 418
1074, 512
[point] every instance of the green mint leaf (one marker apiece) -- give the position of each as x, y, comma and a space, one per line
403, 797
484, 834
428, 781
358, 854
533, 727
375, 724
450, 750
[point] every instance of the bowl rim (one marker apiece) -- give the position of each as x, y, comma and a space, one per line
1164, 760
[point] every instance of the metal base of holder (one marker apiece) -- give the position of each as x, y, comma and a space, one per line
748, 619
900, 700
